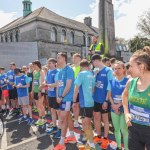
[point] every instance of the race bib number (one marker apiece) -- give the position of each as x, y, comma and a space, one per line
60, 83
50, 89
99, 84
36, 82
140, 115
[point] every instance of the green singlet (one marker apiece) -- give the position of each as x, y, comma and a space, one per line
36, 77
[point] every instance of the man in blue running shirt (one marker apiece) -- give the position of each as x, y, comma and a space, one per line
65, 98
104, 74
12, 90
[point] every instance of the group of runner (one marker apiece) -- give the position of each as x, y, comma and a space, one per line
90, 90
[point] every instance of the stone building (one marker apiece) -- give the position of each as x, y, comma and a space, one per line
51, 32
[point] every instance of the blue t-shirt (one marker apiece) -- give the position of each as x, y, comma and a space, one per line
85, 81
102, 78
22, 80
117, 87
64, 75
50, 78
3, 78
11, 78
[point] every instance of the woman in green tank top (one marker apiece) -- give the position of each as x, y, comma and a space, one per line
38, 79
136, 101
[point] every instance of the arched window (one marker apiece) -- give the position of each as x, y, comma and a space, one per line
84, 40
88, 41
6, 39
63, 36
71, 38
17, 36
54, 34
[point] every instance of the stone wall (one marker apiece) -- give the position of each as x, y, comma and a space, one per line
47, 50
21, 53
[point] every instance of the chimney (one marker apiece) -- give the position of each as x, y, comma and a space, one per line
88, 21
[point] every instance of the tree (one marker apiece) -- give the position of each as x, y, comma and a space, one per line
144, 24
138, 43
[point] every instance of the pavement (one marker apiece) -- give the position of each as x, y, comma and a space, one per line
24, 137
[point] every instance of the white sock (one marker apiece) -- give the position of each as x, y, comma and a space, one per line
91, 144
62, 139
3, 107
72, 133
25, 116
76, 121
7, 106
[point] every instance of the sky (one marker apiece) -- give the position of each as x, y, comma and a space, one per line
126, 12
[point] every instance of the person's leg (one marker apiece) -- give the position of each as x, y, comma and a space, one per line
64, 125
97, 122
124, 130
106, 124
76, 111
116, 123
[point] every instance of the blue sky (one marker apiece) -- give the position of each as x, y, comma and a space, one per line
126, 12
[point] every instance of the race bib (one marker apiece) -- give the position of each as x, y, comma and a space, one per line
99, 84
140, 115
50, 89
60, 83
36, 82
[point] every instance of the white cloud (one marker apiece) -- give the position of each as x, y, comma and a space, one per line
126, 15
6, 18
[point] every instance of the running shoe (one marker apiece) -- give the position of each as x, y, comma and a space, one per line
70, 139
57, 135
30, 121
105, 143
52, 130
59, 147
97, 139
23, 119
39, 122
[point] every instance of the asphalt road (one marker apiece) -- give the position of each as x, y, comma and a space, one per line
24, 137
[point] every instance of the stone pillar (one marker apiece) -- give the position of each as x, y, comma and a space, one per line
4, 38
106, 25
14, 36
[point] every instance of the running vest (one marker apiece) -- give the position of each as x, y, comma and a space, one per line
139, 104
101, 84
117, 88
76, 70
36, 83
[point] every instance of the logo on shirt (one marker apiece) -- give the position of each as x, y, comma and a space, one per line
103, 75
99, 84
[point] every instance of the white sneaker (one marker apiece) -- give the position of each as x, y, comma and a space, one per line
76, 124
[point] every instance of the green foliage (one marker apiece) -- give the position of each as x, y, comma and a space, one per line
138, 43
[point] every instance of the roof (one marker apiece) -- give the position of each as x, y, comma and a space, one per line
47, 15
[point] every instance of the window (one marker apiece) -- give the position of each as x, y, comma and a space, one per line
71, 39
6, 39
54, 35
17, 36
84, 40
88, 41
11, 37
63, 36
